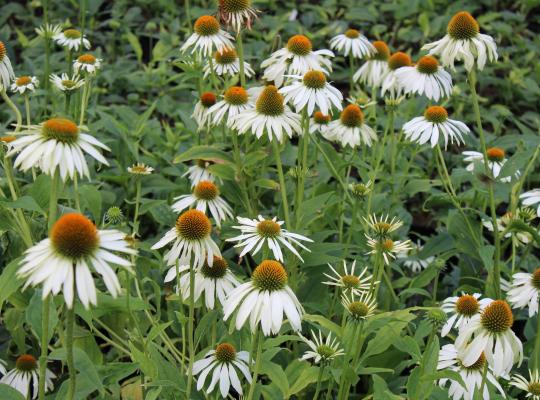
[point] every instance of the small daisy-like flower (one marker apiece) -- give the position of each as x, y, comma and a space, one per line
530, 198
321, 350
236, 13
359, 306
72, 39
490, 333
312, 90
296, 58
464, 42
205, 196
412, 261
25, 377
525, 290
265, 300
472, 375
199, 172
87, 63
382, 227
390, 82
63, 262
235, 100
226, 62
348, 281
48, 31
352, 42
461, 309
435, 122
259, 232
57, 144
518, 237
270, 115
531, 386
350, 129
361, 190
496, 160
6, 71
24, 84
191, 237
387, 248
65, 83
201, 111
426, 78
140, 169
374, 70
224, 361
207, 37
215, 281
320, 122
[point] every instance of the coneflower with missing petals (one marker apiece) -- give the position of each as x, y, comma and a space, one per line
72, 39
320, 122
201, 111
359, 306
87, 63
496, 160
227, 63
348, 280
237, 14
66, 83
321, 350
352, 42
207, 37
24, 84
375, 69
426, 78
350, 129
413, 260
6, 70
531, 386
199, 172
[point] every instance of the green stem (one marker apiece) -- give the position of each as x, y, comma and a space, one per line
330, 389
319, 380
303, 169
351, 69
76, 192
496, 238
70, 323
27, 108
351, 229
257, 366
47, 39
283, 188
84, 99
14, 108
190, 330
537, 343
240, 48
44, 347
484, 376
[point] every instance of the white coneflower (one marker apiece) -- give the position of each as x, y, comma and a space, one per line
411, 259
192, 240
25, 377
321, 350
359, 306
461, 309
433, 124
205, 196
374, 70
72, 39
222, 363
496, 160
503, 223
387, 248
199, 172
360, 190
140, 169
350, 129
530, 386
490, 333
201, 111
312, 90
257, 233
57, 144
530, 198
87, 63
352, 42
64, 261
226, 62
525, 291
215, 281
270, 116
65, 83
296, 58
382, 226
464, 41
348, 281
207, 37
6, 70
472, 375
24, 84
390, 83
426, 78
237, 14
320, 122
48, 31
235, 100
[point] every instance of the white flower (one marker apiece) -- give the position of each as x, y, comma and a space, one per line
321, 350
235, 100
25, 377
472, 376
6, 70
375, 69
531, 197
382, 226
464, 42
199, 172
461, 309
87, 63
57, 144
359, 306
48, 31
72, 39
350, 129
525, 290
215, 281
256, 233
201, 112
226, 62
312, 90
236, 14
24, 84
412, 261
531, 386
348, 280
63, 262
205, 196
390, 83
296, 58
427, 78
518, 237
496, 160
353, 42
490, 333
223, 361
140, 169
320, 122
207, 36
265, 300
432, 125
387, 247
65, 83
191, 237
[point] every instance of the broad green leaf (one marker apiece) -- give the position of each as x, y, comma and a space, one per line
203, 152
9, 283
8, 393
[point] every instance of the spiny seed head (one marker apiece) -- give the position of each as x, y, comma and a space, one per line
321, 118
495, 154
269, 275
398, 60
352, 33
436, 317
193, 225
350, 281
268, 228
383, 52
467, 305
427, 65
536, 279
61, 129
26, 363
314, 79
3, 50
534, 388
236, 95
23, 80
225, 353
352, 116
225, 56
114, 215
206, 190
325, 351
497, 317
436, 114
74, 236
270, 102
478, 364
87, 59
217, 270
463, 26
72, 34
358, 309
234, 6
206, 26
208, 99
299, 45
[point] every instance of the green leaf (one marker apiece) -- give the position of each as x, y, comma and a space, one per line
135, 44
25, 202
325, 323
203, 152
276, 375
9, 283
34, 313
8, 393
307, 377
91, 199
